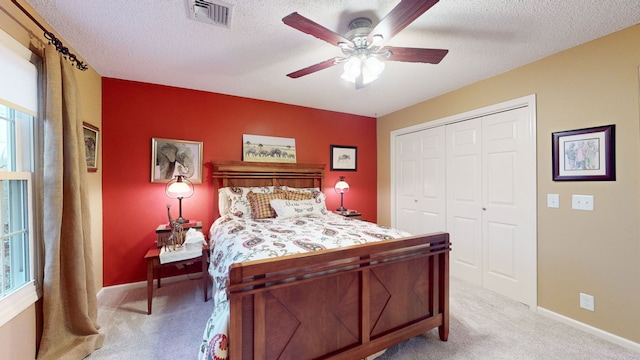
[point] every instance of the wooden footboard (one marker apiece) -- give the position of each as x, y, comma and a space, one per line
339, 304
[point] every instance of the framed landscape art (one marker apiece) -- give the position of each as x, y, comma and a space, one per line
268, 149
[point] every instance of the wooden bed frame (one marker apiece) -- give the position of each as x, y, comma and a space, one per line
332, 304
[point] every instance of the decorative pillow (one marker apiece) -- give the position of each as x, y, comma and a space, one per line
295, 195
260, 208
223, 202
306, 190
237, 202
297, 208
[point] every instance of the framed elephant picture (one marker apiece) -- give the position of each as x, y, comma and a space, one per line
176, 157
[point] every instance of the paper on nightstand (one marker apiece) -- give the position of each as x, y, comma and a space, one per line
194, 237
191, 248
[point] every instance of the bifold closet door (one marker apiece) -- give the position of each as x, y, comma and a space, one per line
508, 194
491, 202
420, 173
475, 179
464, 198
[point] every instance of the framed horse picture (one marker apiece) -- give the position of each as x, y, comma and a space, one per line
344, 158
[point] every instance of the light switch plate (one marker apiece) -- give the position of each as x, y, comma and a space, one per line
553, 200
582, 202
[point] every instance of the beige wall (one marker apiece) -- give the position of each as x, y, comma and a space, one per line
90, 85
578, 251
18, 336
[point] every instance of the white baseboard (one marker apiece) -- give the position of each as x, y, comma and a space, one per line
626, 343
138, 284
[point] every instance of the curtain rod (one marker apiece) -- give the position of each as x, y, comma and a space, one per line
53, 40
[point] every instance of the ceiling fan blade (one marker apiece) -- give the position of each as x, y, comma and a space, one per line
307, 26
431, 56
313, 68
400, 17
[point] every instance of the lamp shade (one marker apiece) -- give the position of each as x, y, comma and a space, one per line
341, 186
179, 188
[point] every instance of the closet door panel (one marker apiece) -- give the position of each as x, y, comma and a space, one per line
407, 188
464, 199
420, 194
508, 196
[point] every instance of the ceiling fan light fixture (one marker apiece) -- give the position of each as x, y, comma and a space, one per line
371, 69
352, 69
375, 66
376, 40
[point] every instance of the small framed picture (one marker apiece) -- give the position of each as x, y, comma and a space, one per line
584, 154
91, 138
344, 158
176, 157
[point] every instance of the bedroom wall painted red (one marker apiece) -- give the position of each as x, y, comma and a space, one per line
135, 112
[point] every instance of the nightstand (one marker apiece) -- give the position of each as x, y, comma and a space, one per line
354, 214
153, 263
163, 231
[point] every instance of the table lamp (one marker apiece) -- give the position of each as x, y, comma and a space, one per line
341, 187
179, 188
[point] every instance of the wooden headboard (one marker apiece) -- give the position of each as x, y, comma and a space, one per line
246, 174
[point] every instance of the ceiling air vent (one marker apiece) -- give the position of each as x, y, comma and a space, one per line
211, 12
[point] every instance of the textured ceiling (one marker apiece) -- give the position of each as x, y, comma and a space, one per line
155, 41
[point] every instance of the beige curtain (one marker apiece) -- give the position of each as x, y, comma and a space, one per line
70, 329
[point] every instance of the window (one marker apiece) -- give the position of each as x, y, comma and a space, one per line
18, 113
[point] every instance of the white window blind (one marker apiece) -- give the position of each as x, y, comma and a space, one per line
16, 69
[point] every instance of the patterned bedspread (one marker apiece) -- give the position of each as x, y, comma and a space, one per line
236, 240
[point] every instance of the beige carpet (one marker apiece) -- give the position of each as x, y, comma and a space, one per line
483, 325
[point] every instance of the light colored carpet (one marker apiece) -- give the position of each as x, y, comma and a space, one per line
483, 325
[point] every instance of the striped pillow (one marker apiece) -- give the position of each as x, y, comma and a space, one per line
260, 207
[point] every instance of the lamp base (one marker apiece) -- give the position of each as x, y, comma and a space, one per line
341, 208
182, 220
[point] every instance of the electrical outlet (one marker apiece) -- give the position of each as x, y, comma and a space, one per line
582, 202
587, 302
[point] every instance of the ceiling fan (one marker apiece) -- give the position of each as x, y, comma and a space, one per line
363, 46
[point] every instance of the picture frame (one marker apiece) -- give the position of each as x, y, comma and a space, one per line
584, 154
344, 158
260, 148
176, 157
91, 142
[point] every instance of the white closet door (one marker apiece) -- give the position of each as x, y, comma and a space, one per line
489, 201
509, 199
420, 172
464, 199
